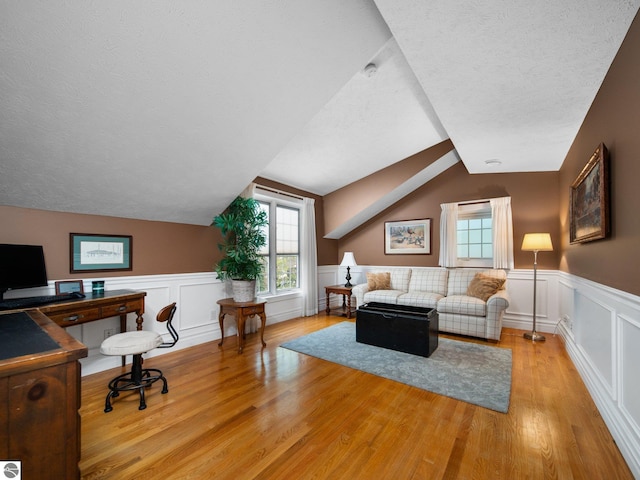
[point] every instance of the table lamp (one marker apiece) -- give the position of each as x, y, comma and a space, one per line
536, 242
348, 261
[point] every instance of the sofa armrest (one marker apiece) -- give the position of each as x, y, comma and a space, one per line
500, 300
496, 306
358, 291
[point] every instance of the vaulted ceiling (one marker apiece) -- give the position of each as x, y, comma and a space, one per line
167, 110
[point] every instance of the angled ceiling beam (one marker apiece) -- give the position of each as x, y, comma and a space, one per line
416, 181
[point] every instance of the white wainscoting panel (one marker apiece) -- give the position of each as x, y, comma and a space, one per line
630, 386
566, 302
594, 336
601, 330
327, 276
519, 314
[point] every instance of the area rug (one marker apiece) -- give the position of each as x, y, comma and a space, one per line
470, 372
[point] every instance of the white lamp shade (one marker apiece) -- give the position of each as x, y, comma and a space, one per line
348, 260
537, 242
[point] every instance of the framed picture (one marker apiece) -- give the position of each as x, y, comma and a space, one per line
407, 237
589, 208
100, 253
69, 286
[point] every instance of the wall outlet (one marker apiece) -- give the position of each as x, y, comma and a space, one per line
109, 332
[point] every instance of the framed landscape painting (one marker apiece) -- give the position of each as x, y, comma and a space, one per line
589, 208
407, 237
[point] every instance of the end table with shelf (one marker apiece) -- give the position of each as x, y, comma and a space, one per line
346, 298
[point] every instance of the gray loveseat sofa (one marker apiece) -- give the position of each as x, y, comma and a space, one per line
469, 301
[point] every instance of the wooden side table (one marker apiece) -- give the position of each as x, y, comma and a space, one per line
346, 298
241, 310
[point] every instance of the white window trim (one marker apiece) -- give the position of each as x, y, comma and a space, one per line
474, 210
502, 232
284, 201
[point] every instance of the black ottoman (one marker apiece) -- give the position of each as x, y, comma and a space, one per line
398, 327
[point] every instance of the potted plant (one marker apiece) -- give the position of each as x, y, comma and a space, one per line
242, 226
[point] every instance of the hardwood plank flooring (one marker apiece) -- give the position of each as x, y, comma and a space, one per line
276, 414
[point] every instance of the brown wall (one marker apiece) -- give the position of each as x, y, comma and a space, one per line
158, 247
534, 202
361, 194
614, 119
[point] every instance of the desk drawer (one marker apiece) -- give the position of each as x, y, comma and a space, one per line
64, 319
121, 308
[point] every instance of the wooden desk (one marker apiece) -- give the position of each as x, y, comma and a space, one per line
346, 295
241, 310
112, 303
40, 397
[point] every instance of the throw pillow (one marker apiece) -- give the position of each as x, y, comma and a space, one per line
379, 281
483, 286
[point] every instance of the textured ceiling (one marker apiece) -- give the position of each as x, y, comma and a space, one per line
167, 110
510, 80
369, 124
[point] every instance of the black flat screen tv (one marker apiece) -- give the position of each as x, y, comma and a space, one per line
21, 266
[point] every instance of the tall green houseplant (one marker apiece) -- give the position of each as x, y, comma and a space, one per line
242, 226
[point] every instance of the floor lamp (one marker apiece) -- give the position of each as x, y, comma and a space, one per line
536, 242
348, 261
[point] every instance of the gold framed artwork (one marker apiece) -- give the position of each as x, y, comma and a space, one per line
589, 217
407, 237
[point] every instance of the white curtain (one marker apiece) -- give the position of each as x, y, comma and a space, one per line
448, 235
309, 259
502, 232
249, 191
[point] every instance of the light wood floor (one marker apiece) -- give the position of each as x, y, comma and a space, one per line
275, 414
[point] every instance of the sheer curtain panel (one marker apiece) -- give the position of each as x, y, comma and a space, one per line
309, 259
502, 232
448, 235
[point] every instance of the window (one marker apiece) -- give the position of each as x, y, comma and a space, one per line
281, 255
485, 231
474, 234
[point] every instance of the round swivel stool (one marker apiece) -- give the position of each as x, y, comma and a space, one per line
133, 343
136, 343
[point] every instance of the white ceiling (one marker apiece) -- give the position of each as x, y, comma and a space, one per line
167, 110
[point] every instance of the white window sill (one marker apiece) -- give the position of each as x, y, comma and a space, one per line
278, 297
475, 263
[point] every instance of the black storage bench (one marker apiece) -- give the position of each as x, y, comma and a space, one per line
398, 327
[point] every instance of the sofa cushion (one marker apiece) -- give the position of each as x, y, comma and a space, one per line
383, 296
379, 281
432, 280
462, 305
420, 299
459, 280
400, 279
483, 286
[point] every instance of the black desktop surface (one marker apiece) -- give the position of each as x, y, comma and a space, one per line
20, 335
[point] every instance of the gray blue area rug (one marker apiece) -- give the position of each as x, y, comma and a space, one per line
470, 372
